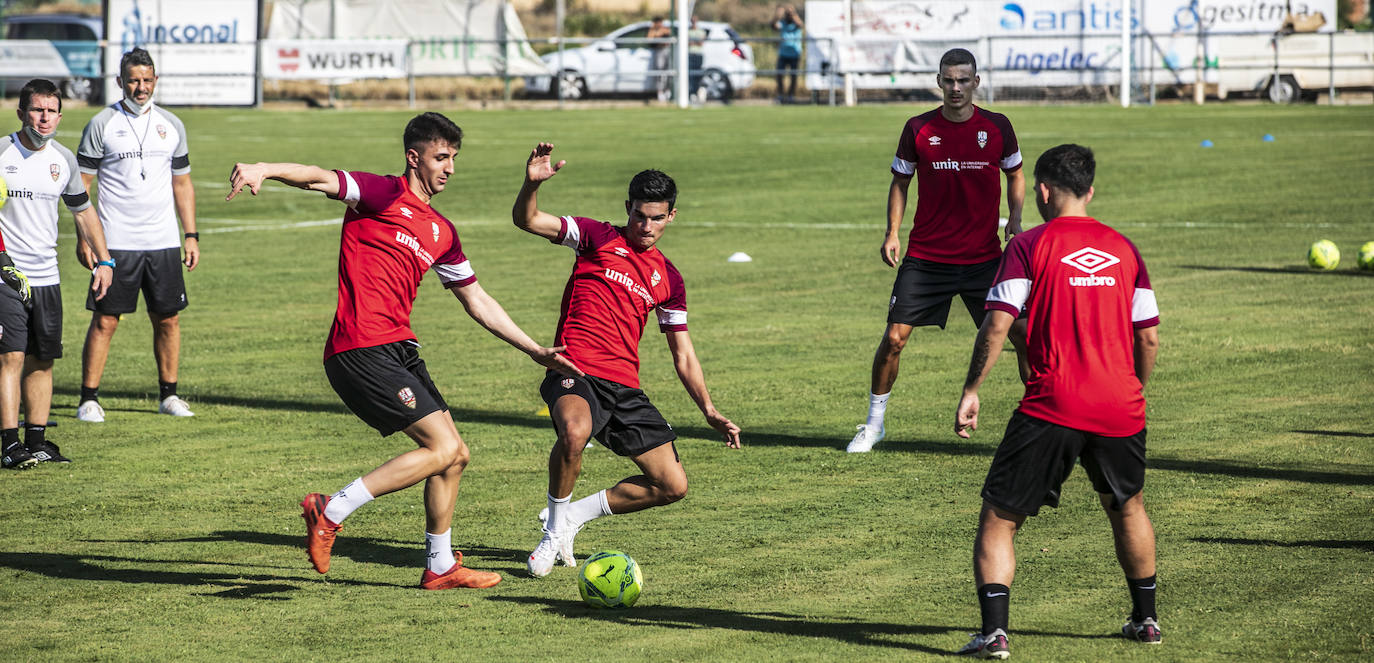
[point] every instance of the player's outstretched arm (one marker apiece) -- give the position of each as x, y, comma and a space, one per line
539, 168
301, 176
483, 308
991, 335
690, 373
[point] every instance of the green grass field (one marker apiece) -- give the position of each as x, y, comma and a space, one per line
181, 539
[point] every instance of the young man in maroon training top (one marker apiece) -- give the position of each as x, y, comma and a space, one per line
391, 237
618, 278
958, 153
1091, 340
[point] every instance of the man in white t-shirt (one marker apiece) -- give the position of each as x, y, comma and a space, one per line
38, 172
138, 152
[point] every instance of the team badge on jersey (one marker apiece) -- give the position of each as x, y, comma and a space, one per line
54, 170
407, 397
655, 278
568, 383
162, 132
982, 139
435, 228
934, 140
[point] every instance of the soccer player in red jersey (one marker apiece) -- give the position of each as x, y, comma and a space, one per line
958, 153
619, 277
1091, 344
391, 237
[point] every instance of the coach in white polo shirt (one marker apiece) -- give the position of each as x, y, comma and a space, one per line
138, 152
38, 173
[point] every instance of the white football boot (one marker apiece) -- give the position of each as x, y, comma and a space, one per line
176, 407
552, 548
90, 411
865, 439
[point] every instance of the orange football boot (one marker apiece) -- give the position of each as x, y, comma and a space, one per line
459, 576
319, 531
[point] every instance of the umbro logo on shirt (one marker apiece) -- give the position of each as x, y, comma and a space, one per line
622, 251
1090, 261
934, 140
408, 214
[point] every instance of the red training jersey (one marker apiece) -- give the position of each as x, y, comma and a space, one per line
608, 298
389, 240
958, 168
1085, 291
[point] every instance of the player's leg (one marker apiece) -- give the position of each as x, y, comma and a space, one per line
164, 290
1116, 467
662, 482
575, 407
120, 298
14, 322
44, 346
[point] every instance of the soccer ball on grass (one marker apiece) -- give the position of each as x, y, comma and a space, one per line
610, 579
1323, 255
1366, 257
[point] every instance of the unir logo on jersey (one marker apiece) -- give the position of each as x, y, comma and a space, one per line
54, 170
982, 139
407, 397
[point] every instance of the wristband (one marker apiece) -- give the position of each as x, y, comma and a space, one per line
107, 263
195, 236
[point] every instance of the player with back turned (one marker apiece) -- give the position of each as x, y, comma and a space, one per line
391, 237
1091, 340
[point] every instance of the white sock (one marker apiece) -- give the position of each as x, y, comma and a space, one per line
346, 501
877, 407
440, 551
588, 509
558, 509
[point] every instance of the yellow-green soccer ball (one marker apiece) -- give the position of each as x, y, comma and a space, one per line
610, 579
4, 192
1366, 257
1323, 255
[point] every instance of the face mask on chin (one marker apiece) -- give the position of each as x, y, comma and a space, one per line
136, 108
39, 140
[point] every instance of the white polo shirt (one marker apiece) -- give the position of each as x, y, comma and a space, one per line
135, 157
28, 222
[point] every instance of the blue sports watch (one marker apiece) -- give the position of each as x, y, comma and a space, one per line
107, 263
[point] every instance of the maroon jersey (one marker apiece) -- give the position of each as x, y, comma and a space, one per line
389, 240
1085, 291
608, 298
958, 169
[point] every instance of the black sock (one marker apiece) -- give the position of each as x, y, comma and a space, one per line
166, 389
994, 602
90, 393
34, 435
9, 437
1142, 598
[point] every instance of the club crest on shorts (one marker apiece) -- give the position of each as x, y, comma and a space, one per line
407, 397
568, 383
982, 139
54, 170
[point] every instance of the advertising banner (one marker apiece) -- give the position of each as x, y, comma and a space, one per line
31, 58
334, 59
205, 53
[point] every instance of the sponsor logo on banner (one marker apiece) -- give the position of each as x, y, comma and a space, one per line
288, 59
54, 170
1241, 15
407, 397
1062, 17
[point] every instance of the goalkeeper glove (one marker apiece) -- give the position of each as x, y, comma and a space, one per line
15, 278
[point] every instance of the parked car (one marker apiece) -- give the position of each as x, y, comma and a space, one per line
620, 62
75, 36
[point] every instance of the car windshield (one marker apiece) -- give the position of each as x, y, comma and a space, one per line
632, 39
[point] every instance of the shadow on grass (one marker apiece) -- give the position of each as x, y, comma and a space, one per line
387, 552
1291, 269
1367, 546
235, 585
1252, 471
876, 634
1333, 433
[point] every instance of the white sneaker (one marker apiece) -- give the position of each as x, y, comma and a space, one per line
90, 411
552, 548
865, 439
176, 407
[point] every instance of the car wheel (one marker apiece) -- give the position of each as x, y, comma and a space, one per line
571, 84
1283, 89
716, 85
82, 89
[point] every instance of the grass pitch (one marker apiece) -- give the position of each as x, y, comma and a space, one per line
180, 539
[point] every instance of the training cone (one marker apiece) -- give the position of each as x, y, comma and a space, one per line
1206, 143
1268, 138
543, 411
739, 256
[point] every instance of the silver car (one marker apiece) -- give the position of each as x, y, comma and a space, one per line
620, 62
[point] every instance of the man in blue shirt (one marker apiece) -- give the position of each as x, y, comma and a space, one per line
790, 26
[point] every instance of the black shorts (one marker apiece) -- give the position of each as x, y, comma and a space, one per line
623, 419
923, 290
785, 62
1036, 456
36, 331
387, 386
156, 273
